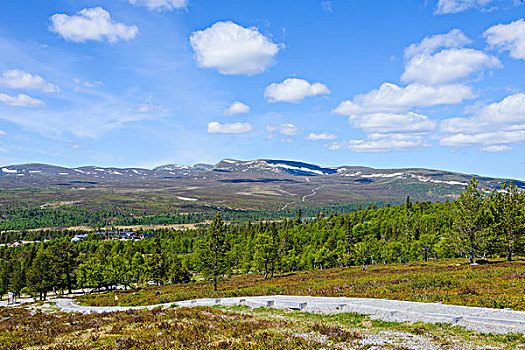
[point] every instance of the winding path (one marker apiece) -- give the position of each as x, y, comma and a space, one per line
475, 318
314, 192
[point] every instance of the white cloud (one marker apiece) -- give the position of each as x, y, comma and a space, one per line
237, 108
88, 83
284, 129
321, 136
233, 49
483, 139
283, 140
455, 6
84, 118
91, 24
390, 98
508, 114
496, 148
161, 5
20, 100
293, 90
393, 123
382, 143
453, 39
18, 79
447, 66
229, 128
510, 37
2, 133
145, 108
327, 6
492, 127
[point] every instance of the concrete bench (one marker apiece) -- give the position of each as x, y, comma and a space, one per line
293, 305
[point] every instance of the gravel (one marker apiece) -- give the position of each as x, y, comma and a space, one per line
475, 318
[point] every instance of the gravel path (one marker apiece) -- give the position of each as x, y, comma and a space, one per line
475, 318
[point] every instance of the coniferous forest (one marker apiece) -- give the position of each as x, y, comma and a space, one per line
477, 226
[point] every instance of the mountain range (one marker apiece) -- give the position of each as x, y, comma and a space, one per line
263, 184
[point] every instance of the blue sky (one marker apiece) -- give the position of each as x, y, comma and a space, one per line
436, 84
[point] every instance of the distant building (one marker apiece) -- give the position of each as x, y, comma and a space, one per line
78, 238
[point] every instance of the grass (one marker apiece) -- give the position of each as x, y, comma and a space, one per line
230, 328
498, 284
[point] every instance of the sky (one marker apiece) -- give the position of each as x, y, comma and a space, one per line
389, 84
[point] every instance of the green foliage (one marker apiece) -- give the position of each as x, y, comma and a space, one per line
212, 250
41, 276
471, 221
476, 226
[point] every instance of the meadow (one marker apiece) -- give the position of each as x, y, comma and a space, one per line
225, 328
495, 284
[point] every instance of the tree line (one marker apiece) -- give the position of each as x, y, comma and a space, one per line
478, 225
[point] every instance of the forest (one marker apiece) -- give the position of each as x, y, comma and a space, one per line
477, 226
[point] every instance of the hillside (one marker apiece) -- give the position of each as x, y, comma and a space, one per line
265, 184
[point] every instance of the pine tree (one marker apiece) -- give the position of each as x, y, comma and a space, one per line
507, 207
41, 276
265, 251
177, 273
470, 220
212, 251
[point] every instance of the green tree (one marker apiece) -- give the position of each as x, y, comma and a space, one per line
16, 276
154, 268
507, 207
470, 220
4, 277
91, 273
64, 256
42, 275
137, 267
265, 252
177, 273
212, 251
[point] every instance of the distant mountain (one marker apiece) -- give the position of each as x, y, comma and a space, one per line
245, 185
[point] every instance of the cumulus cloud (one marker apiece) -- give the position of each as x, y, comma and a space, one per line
382, 143
229, 128
447, 66
509, 37
496, 138
20, 100
492, 127
2, 133
293, 90
391, 98
508, 114
321, 136
284, 129
91, 24
237, 108
18, 79
430, 44
233, 49
455, 6
393, 123
161, 5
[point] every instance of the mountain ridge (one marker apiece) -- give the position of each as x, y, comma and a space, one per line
255, 185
